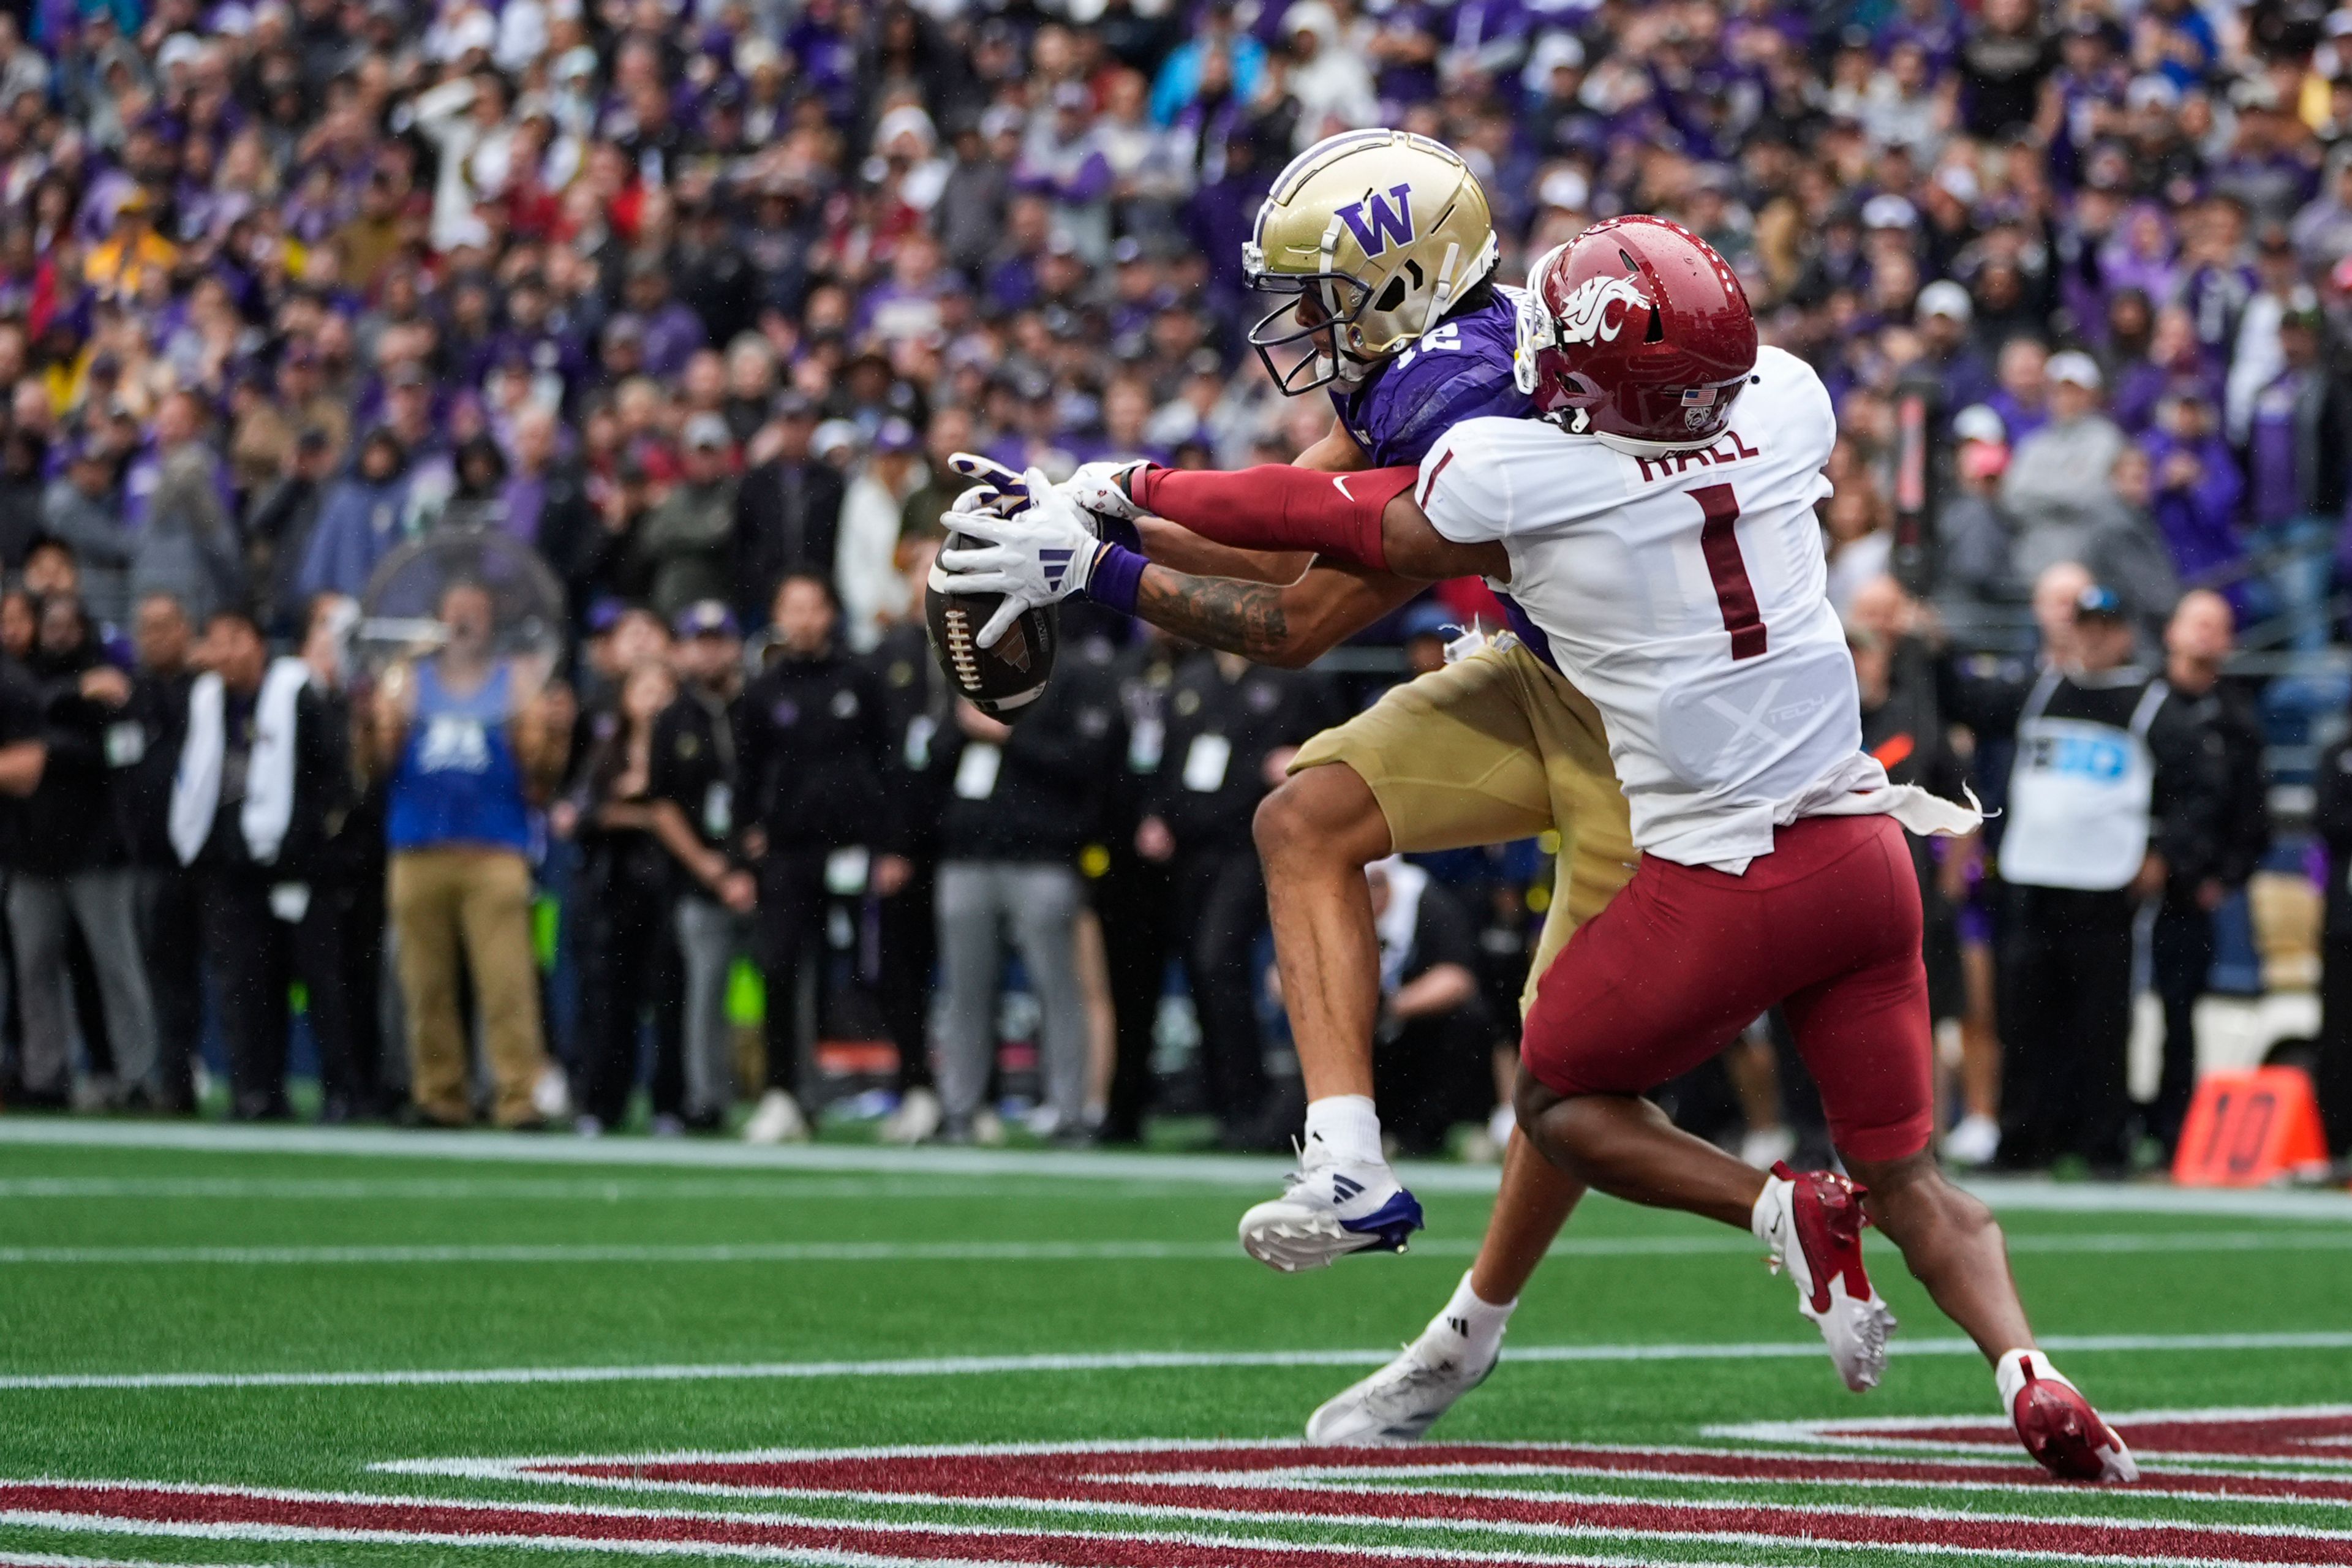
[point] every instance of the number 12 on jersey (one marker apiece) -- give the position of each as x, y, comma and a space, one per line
1734, 593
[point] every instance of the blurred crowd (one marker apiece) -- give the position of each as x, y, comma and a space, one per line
692, 297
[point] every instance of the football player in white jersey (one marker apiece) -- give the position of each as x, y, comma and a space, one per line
1669, 558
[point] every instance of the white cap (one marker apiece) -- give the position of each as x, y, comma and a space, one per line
2076, 370
1889, 211
1958, 182
1947, 298
1977, 422
1565, 189
178, 48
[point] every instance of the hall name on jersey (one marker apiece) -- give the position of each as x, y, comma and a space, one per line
1666, 465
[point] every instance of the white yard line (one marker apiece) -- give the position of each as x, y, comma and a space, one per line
1113, 1360
1164, 1170
1014, 1251
781, 1186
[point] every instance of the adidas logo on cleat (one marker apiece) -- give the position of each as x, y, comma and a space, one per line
1344, 1189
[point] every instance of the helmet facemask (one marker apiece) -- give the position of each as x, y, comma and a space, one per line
1321, 311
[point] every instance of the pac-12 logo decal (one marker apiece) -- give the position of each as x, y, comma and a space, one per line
1376, 224
1584, 318
2266, 1486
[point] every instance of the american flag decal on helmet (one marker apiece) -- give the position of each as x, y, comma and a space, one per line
1698, 397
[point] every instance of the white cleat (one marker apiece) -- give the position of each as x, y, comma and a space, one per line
2057, 1424
1331, 1208
1404, 1398
1812, 1222
778, 1119
916, 1120
1974, 1142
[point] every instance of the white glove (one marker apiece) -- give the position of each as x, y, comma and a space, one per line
1038, 556
996, 488
1105, 489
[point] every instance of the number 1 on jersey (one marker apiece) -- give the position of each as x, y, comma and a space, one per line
1734, 593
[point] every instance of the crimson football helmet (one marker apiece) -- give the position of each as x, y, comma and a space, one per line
1635, 330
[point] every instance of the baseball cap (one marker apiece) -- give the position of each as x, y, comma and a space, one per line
2076, 369
2096, 603
708, 432
1978, 422
896, 436
1565, 189
707, 619
604, 614
1889, 211
1947, 298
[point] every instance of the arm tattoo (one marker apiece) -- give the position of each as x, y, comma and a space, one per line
1224, 613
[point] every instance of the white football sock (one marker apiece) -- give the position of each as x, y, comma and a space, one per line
1771, 1205
1476, 1324
2010, 1375
1344, 1127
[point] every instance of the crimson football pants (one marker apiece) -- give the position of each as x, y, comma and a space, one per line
1827, 927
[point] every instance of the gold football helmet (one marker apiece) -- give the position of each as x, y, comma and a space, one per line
1376, 233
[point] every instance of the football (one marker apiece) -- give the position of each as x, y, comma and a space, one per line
1001, 681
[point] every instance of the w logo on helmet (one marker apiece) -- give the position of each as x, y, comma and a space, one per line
1376, 224
1583, 317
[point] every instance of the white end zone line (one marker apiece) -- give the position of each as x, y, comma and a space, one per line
1796, 1442
1112, 1360
1166, 1169
1418, 1551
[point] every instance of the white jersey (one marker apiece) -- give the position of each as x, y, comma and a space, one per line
1686, 594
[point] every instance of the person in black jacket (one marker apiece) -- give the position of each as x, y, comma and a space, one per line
1233, 728
143, 748
2197, 644
2113, 795
1135, 898
816, 755
921, 707
693, 789
252, 863
1429, 1046
787, 511
341, 940
2331, 818
73, 873
24, 755
1023, 799
623, 896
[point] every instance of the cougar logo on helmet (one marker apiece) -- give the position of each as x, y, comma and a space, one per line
1374, 222
1668, 387
1584, 318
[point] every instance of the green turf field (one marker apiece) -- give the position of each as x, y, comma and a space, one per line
332, 1348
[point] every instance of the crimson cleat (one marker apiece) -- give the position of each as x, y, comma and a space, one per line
2057, 1424
1812, 1221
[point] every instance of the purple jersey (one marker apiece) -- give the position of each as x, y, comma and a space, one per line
1460, 369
